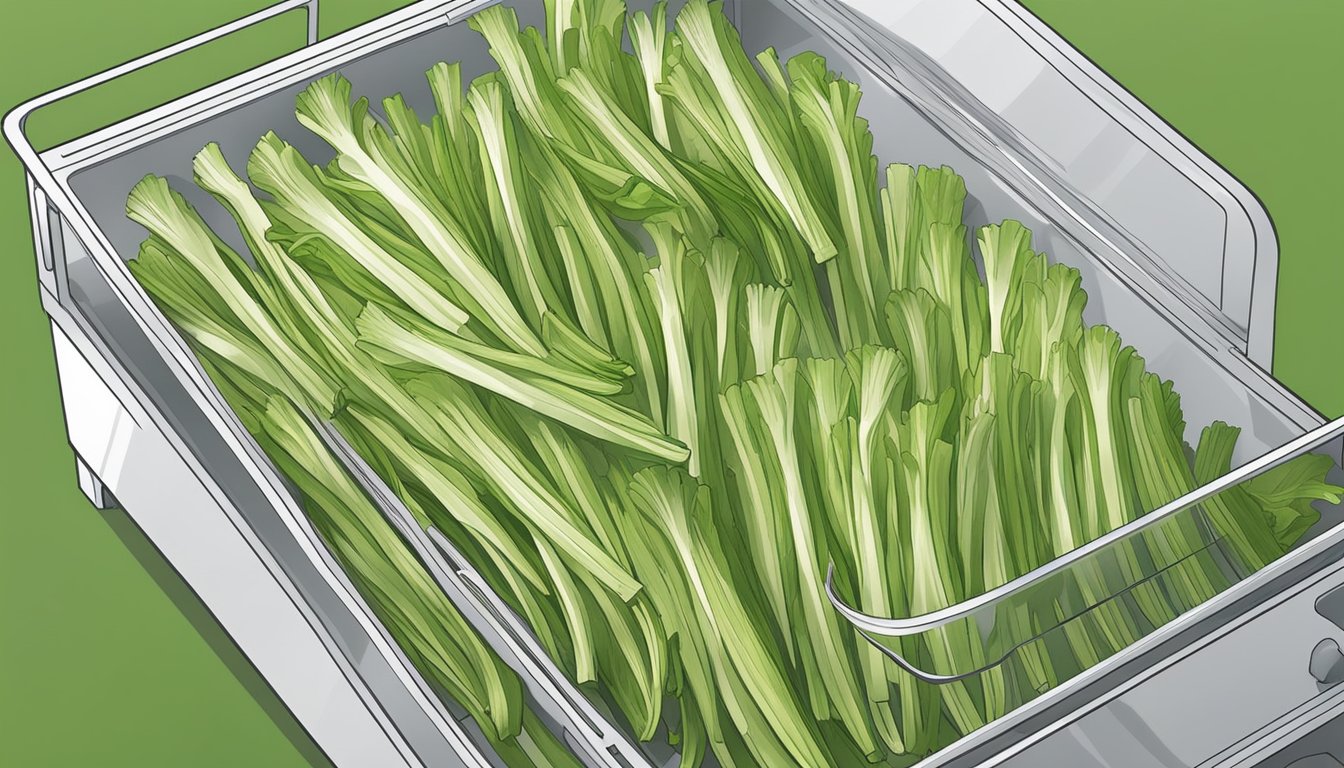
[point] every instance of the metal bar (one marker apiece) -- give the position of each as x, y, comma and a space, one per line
897, 627
16, 119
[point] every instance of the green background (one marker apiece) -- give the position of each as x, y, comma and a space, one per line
107, 659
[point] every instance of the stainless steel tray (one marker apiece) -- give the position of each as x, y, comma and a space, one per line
1175, 255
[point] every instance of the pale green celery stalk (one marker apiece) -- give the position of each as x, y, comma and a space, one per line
942, 194
632, 678
843, 485
819, 335
277, 168
533, 95
563, 460
1161, 474
832, 447
752, 117
290, 299
981, 541
648, 37
981, 536
570, 344
526, 67
879, 374
667, 284
570, 598
556, 368
772, 71
772, 327
643, 657
324, 259
724, 272
179, 292
1030, 341
952, 280
605, 122
693, 652
325, 108
1067, 530
912, 201
563, 23
921, 329
378, 219
383, 335
599, 33
920, 705
903, 226
925, 468
1005, 248
177, 226
630, 321
1286, 493
703, 348
828, 110
411, 140
582, 285
1008, 394
626, 640
773, 395
508, 210
754, 690
1066, 301
832, 382
1233, 511
478, 446
1052, 320
758, 486
1098, 366
745, 207
941, 197
717, 166
460, 179
1052, 312
825, 435
453, 491
362, 538
1064, 510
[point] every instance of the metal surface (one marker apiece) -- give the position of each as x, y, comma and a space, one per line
1174, 254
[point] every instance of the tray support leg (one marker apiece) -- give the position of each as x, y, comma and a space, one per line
92, 487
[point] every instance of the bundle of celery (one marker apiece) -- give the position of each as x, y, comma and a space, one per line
644, 335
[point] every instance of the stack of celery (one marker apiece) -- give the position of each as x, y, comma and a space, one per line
640, 330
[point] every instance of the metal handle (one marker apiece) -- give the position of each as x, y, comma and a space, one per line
17, 118
1082, 566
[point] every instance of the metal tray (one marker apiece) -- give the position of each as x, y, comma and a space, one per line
1175, 254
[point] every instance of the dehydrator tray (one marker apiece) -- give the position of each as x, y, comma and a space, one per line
1175, 254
